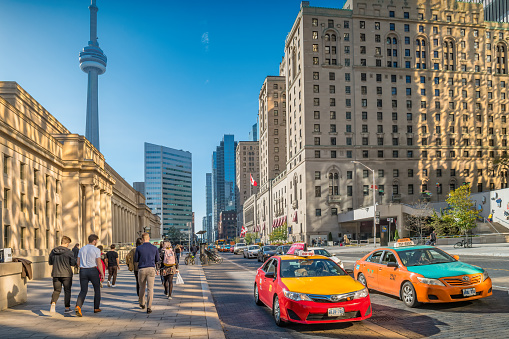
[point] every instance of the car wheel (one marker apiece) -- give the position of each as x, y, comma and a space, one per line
408, 295
276, 312
257, 296
362, 279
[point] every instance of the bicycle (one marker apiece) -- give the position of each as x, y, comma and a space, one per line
464, 243
189, 259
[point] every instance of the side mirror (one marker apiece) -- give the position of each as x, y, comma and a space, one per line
392, 264
270, 275
349, 271
456, 257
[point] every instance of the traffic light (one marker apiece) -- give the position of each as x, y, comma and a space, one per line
380, 192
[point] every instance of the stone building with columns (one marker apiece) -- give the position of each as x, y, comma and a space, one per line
56, 183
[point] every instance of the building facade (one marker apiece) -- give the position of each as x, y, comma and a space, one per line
253, 133
247, 165
223, 179
495, 10
168, 186
56, 183
227, 227
208, 200
414, 90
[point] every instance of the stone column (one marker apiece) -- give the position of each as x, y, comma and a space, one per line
104, 227
89, 211
109, 224
97, 212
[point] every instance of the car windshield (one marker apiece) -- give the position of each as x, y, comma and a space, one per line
286, 248
322, 252
253, 247
269, 248
424, 256
241, 245
310, 268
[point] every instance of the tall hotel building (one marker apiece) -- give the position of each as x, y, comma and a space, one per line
168, 186
415, 90
247, 166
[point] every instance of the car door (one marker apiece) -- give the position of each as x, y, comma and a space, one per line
271, 283
388, 276
370, 269
262, 283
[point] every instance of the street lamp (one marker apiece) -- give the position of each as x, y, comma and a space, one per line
374, 200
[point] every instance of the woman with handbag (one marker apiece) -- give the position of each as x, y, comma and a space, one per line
169, 267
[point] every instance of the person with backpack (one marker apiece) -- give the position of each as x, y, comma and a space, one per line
62, 259
132, 265
113, 264
169, 267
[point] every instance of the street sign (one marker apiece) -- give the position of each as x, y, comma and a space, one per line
390, 219
384, 228
376, 186
377, 220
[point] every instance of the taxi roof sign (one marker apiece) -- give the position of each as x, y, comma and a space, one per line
404, 242
305, 253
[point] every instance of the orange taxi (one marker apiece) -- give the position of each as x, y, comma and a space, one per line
421, 274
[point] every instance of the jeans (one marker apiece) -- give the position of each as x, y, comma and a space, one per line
57, 288
92, 275
168, 284
112, 272
146, 276
137, 283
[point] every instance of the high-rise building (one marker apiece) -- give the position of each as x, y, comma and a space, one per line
223, 178
227, 226
253, 133
93, 62
272, 127
413, 90
208, 218
139, 186
495, 10
168, 186
247, 165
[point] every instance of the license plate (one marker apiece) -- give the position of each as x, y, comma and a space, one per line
469, 292
336, 312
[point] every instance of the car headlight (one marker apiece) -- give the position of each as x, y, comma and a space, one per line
296, 296
485, 275
429, 281
361, 294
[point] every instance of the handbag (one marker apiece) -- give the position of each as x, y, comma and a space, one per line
179, 281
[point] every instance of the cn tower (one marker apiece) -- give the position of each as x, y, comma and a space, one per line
93, 62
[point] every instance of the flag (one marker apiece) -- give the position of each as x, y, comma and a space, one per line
253, 182
243, 232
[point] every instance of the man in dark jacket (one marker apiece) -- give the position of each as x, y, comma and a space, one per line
76, 250
62, 259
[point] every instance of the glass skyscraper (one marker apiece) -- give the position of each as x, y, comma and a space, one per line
223, 179
208, 218
168, 186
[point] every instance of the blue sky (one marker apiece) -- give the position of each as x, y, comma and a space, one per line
180, 73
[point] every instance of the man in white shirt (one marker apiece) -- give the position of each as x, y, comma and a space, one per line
89, 260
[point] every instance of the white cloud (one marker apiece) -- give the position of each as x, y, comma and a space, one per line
205, 40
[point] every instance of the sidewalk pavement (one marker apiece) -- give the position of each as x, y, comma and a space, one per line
488, 250
190, 314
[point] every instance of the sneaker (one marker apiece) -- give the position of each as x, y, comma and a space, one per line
78, 311
142, 307
52, 308
109, 284
169, 297
149, 310
67, 310
112, 285
97, 310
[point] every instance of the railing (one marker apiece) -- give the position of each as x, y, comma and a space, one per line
487, 221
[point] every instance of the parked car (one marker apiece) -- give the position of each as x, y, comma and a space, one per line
251, 251
239, 248
280, 250
266, 252
325, 253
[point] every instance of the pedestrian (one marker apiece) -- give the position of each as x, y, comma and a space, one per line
113, 264
433, 238
89, 261
103, 266
133, 266
75, 251
178, 250
168, 268
161, 248
147, 257
62, 259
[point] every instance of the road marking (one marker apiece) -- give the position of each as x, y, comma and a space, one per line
496, 269
243, 267
502, 287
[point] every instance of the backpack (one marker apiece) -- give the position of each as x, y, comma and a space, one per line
169, 257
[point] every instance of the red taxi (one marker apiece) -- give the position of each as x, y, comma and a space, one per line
310, 289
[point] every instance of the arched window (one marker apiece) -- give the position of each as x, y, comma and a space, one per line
327, 37
420, 54
501, 59
449, 59
330, 48
333, 183
392, 51
333, 37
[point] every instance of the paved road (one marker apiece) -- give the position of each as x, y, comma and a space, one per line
231, 285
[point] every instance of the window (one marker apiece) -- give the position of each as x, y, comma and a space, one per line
318, 212
36, 201
6, 164
22, 238
362, 24
316, 76
318, 191
315, 35
7, 236
317, 154
6, 197
22, 171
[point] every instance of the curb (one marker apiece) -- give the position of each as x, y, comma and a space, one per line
214, 327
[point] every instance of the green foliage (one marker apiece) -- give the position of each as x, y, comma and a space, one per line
250, 238
279, 234
462, 213
329, 238
396, 235
175, 235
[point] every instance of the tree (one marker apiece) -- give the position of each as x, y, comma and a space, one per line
175, 235
461, 212
279, 234
251, 237
329, 238
417, 222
